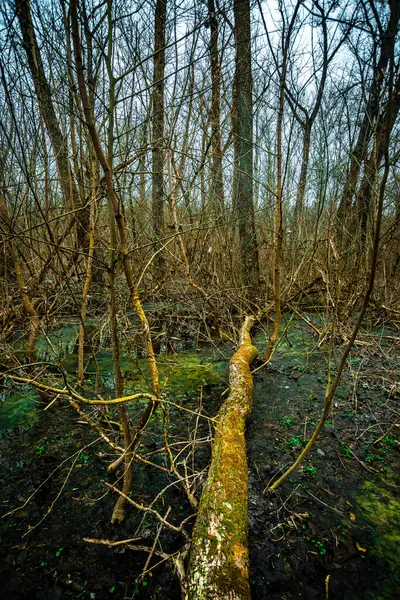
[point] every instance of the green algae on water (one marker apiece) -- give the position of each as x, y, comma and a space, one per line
19, 409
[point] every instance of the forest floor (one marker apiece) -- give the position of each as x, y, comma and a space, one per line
331, 531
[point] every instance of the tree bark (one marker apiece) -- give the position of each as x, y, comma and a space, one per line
46, 107
360, 151
217, 185
158, 152
26, 299
302, 186
116, 207
372, 165
218, 562
244, 145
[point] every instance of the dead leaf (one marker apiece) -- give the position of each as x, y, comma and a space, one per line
352, 517
360, 548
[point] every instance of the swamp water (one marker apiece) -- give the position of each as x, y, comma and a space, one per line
183, 374
288, 399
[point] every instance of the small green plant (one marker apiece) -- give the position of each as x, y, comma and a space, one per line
319, 546
85, 459
345, 450
386, 448
287, 422
39, 450
310, 470
371, 457
59, 551
295, 441
355, 361
390, 442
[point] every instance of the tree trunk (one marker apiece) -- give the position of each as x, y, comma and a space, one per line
278, 212
360, 151
46, 107
88, 278
142, 213
372, 165
26, 299
158, 191
116, 208
217, 185
244, 145
218, 562
301, 192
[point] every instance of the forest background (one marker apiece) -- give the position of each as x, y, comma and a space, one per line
165, 162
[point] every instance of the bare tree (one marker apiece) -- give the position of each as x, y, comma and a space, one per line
243, 194
158, 142
359, 152
217, 185
46, 106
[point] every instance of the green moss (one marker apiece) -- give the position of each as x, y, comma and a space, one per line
380, 506
219, 559
186, 373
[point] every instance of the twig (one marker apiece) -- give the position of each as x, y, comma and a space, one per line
339, 512
193, 412
385, 434
370, 469
153, 548
327, 578
149, 510
109, 542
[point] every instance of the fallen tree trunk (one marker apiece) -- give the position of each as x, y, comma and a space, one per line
218, 561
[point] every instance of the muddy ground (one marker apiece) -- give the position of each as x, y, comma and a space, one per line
331, 531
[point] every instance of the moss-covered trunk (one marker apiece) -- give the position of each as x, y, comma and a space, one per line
218, 562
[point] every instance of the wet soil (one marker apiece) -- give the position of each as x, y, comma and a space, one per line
59, 467
331, 530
